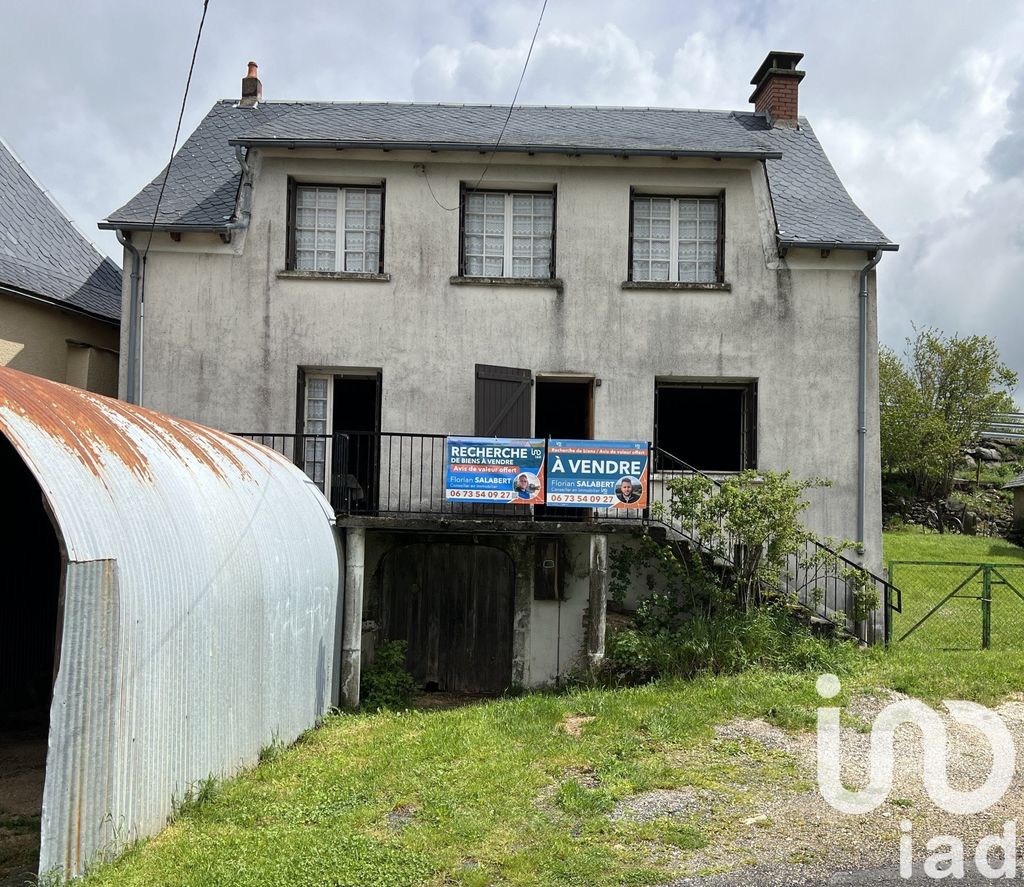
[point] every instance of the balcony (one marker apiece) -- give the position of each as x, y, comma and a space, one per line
396, 480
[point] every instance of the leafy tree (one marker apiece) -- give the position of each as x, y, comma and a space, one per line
935, 400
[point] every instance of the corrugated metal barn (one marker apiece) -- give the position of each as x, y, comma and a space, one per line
176, 587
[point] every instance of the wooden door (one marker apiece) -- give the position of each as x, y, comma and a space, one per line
452, 603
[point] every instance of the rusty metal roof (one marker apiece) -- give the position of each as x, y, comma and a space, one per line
200, 599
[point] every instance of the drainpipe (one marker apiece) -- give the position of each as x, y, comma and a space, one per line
862, 406
243, 206
133, 320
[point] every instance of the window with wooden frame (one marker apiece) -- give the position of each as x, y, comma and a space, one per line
336, 228
676, 239
507, 234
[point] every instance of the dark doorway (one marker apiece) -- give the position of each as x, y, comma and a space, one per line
356, 413
452, 603
28, 647
564, 411
711, 426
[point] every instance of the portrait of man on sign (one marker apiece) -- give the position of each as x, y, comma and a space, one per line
628, 490
526, 485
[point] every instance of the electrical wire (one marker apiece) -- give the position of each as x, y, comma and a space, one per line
177, 133
515, 96
504, 126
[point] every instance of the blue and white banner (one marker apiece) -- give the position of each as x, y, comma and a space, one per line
597, 473
494, 469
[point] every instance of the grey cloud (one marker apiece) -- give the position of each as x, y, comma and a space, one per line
1006, 159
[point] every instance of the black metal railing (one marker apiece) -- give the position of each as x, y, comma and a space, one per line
396, 474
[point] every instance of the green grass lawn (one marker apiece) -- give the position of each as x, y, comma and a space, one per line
505, 793
502, 793
958, 623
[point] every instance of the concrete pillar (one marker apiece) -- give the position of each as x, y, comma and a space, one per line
352, 617
521, 551
598, 613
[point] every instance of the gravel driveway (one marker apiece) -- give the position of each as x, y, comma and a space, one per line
767, 831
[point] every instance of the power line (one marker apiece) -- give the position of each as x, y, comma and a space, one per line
177, 133
512, 106
508, 117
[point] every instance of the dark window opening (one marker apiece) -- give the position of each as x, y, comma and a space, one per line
563, 409
709, 426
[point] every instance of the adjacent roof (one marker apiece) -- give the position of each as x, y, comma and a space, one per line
811, 205
43, 254
1016, 482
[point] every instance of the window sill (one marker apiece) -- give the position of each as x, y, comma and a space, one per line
553, 283
333, 275
670, 285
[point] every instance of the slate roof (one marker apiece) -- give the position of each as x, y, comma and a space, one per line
1016, 482
43, 254
811, 204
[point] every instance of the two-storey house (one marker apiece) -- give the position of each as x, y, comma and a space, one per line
354, 281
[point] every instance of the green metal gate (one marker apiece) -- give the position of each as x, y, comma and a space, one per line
956, 605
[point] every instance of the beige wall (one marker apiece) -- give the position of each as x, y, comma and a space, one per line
34, 339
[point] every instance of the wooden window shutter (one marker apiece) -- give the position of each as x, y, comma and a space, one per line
554, 230
289, 250
462, 229
503, 402
380, 237
629, 259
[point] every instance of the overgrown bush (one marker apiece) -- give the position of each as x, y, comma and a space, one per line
727, 642
387, 683
722, 604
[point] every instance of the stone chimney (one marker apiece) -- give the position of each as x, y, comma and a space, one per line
252, 89
776, 87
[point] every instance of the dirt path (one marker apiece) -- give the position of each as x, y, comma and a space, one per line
22, 771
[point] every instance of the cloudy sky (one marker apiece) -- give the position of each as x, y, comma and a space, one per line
920, 105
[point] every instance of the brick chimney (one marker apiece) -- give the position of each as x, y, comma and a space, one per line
252, 89
776, 87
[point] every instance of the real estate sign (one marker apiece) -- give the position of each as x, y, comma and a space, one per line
597, 473
499, 470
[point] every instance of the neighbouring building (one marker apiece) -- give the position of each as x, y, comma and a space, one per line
60, 300
353, 281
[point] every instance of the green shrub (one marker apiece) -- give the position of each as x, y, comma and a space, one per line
727, 642
386, 683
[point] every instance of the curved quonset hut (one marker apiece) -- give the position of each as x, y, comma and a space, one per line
177, 588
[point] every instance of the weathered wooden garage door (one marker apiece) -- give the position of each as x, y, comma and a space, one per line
453, 604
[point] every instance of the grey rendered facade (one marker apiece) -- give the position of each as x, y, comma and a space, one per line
231, 330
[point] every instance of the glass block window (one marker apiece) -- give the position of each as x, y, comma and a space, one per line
337, 229
676, 239
508, 234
